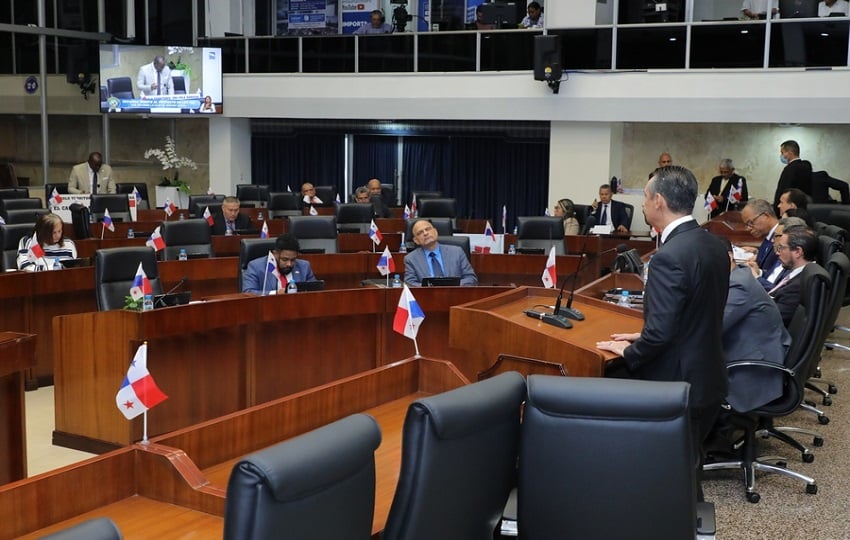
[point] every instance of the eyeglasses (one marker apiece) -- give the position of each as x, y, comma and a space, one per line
749, 224
779, 247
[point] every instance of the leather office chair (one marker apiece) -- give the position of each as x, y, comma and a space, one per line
459, 241
179, 85
623, 443
11, 236
822, 211
250, 249
61, 188
8, 177
444, 226
197, 204
315, 233
193, 235
18, 204
14, 193
80, 218
327, 194
120, 87
93, 529
127, 187
582, 211
320, 485
838, 267
284, 204
255, 194
25, 215
118, 205
437, 208
630, 212
354, 217
458, 462
388, 194
114, 270
422, 195
833, 231
541, 232
807, 341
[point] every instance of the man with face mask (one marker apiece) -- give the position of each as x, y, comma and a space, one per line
797, 172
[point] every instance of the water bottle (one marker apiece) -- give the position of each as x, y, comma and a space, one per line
56, 264
516, 230
396, 281
227, 231
512, 250
402, 248
291, 287
131, 233
182, 255
259, 216
181, 217
624, 299
147, 303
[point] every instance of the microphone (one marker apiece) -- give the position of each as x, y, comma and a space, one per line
161, 300
548, 318
568, 311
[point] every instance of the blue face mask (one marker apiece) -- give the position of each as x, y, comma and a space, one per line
783, 159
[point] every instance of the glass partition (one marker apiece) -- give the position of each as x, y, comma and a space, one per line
651, 47
447, 51
735, 45
389, 53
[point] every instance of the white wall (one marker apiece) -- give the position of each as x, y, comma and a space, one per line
230, 154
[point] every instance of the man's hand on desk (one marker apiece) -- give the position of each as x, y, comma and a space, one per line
618, 343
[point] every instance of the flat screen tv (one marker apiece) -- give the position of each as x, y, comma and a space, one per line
189, 83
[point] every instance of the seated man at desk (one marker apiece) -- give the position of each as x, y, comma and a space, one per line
610, 212
376, 197
256, 280
308, 194
48, 230
229, 221
93, 176
435, 260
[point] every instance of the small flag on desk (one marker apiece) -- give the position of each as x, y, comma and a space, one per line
288, 189
156, 241
210, 191
141, 284
208, 216
313, 211
408, 315
55, 198
386, 264
137, 197
273, 269
35, 250
710, 203
488, 231
505, 218
169, 207
375, 233
546, 212
550, 276
413, 211
2, 221
737, 192
264, 232
406, 212
337, 201
138, 392
107, 220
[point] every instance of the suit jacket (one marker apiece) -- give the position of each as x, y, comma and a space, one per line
455, 264
218, 226
787, 297
684, 299
797, 174
752, 330
766, 257
252, 279
147, 76
380, 210
714, 189
618, 215
78, 181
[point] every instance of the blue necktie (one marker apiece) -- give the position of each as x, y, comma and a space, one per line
604, 219
436, 268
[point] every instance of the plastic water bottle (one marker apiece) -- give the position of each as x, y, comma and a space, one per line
259, 216
227, 231
131, 233
624, 299
396, 281
56, 264
181, 216
512, 250
147, 303
182, 255
291, 287
516, 230
402, 248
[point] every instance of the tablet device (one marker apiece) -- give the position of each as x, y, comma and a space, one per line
316, 285
531, 251
246, 231
315, 251
75, 263
441, 282
171, 299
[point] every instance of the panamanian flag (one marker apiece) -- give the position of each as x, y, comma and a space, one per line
408, 314
138, 391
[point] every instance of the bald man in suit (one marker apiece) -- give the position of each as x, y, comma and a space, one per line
434, 260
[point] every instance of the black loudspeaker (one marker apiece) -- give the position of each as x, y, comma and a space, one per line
80, 62
547, 60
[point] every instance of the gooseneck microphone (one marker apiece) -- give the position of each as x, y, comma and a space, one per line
568, 310
161, 300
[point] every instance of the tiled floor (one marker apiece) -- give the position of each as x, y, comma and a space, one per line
41, 454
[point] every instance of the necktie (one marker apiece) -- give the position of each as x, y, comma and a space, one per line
764, 249
780, 284
158, 87
436, 268
604, 219
94, 182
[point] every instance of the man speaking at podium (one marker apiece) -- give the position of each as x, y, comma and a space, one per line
686, 288
91, 177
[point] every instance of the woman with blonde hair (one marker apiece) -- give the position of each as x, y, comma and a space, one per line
567, 211
48, 231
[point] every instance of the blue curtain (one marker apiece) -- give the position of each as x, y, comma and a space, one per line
375, 156
282, 160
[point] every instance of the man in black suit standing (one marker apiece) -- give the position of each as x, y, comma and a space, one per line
607, 211
684, 299
797, 172
229, 221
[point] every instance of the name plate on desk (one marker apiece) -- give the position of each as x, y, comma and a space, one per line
63, 209
482, 243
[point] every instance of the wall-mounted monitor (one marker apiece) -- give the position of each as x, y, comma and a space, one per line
150, 79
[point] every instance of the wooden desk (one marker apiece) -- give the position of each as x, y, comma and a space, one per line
176, 485
17, 353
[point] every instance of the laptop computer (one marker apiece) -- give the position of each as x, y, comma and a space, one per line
531, 251
446, 281
246, 231
75, 263
316, 285
314, 251
171, 299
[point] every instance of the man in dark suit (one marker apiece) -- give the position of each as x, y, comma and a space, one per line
760, 220
377, 199
258, 280
797, 172
727, 173
684, 298
228, 221
797, 248
610, 212
432, 259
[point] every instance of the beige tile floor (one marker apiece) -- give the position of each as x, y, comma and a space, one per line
42, 455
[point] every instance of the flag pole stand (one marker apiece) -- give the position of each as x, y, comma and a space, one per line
388, 280
145, 428
416, 348
102, 230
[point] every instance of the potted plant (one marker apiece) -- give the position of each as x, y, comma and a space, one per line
171, 163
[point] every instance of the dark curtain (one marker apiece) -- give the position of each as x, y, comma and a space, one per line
483, 174
375, 156
284, 160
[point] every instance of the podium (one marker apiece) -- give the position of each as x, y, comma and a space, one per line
17, 353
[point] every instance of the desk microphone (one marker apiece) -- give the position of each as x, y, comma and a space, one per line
180, 283
548, 318
568, 310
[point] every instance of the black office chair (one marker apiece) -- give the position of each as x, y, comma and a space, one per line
354, 217
459, 241
434, 208
94, 529
61, 188
807, 341
582, 212
833, 231
120, 87
114, 271
7, 205
25, 215
80, 219
315, 234
458, 463
327, 194
284, 204
250, 249
255, 194
127, 188
541, 233
630, 212
11, 236
822, 211
422, 195
14, 193
118, 205
193, 235
444, 226
197, 204
625, 442
319, 485
388, 194
179, 84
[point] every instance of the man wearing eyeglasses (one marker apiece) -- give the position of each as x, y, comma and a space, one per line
797, 248
257, 278
760, 220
